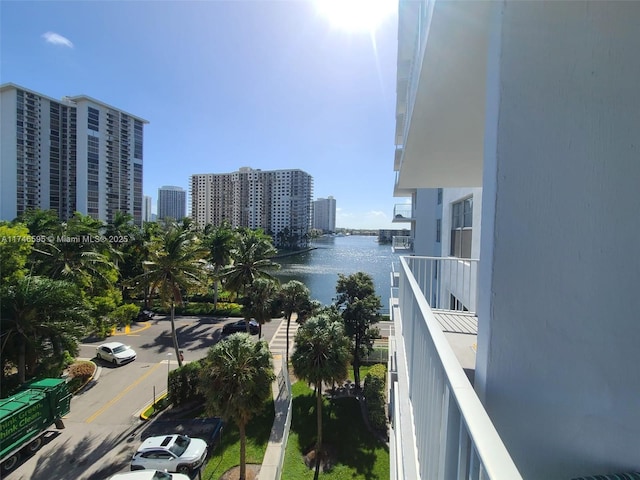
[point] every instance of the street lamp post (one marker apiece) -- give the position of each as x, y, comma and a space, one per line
168, 369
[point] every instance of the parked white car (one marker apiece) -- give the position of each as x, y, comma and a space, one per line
173, 453
116, 353
149, 475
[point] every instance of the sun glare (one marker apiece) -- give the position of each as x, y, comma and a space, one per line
356, 15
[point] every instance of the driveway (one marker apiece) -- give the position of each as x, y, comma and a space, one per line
103, 428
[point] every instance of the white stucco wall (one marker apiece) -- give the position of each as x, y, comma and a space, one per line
425, 211
559, 319
8, 167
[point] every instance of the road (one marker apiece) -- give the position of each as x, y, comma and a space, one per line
101, 431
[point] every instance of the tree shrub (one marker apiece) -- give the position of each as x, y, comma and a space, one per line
82, 370
375, 395
204, 309
183, 383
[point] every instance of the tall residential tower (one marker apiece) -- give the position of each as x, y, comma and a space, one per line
324, 214
172, 203
77, 154
277, 201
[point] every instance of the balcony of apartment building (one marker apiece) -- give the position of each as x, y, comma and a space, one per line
439, 428
402, 213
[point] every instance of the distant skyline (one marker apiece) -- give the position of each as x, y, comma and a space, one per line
228, 84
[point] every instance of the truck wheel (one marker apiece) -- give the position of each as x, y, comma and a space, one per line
9, 463
34, 446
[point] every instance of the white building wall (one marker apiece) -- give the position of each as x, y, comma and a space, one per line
425, 209
146, 211
8, 169
560, 269
82, 163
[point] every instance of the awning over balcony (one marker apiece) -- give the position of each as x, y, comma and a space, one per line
444, 141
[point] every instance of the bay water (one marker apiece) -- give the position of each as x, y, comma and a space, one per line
318, 269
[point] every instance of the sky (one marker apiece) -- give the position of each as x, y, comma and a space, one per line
266, 84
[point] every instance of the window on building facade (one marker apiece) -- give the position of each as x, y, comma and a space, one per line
461, 228
93, 120
439, 196
438, 230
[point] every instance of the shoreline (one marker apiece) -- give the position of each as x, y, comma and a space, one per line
292, 253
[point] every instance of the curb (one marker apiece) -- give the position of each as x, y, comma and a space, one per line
144, 409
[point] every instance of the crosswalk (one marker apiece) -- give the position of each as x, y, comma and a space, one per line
278, 343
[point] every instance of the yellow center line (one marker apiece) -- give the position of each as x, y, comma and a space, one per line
145, 325
122, 394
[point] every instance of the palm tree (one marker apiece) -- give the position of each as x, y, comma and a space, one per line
294, 296
321, 356
220, 242
251, 260
40, 316
176, 264
259, 301
75, 252
360, 308
236, 379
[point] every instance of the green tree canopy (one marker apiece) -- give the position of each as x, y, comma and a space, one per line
15, 248
175, 266
251, 259
259, 302
321, 356
360, 308
40, 319
294, 297
236, 380
220, 241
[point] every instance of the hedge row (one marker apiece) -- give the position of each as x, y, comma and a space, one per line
183, 383
374, 394
204, 308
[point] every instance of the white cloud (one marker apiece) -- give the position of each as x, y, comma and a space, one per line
57, 39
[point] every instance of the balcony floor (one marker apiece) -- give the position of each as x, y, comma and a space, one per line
452, 321
461, 330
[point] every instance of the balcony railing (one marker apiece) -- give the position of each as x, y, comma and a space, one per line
440, 429
448, 283
402, 212
402, 243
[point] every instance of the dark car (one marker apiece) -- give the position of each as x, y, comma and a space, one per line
241, 326
145, 315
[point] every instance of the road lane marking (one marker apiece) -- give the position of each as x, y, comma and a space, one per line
115, 399
145, 325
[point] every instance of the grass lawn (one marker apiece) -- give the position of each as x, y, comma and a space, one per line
227, 454
359, 454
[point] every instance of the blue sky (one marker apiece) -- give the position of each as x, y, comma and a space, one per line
226, 84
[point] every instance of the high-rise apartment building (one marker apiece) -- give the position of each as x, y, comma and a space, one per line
324, 214
278, 201
77, 154
146, 209
172, 203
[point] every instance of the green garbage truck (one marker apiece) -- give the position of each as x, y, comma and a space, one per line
26, 416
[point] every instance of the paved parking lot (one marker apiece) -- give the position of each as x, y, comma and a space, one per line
103, 429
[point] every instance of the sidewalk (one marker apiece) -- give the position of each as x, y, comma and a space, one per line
271, 468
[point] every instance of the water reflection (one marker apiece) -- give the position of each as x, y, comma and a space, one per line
319, 268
